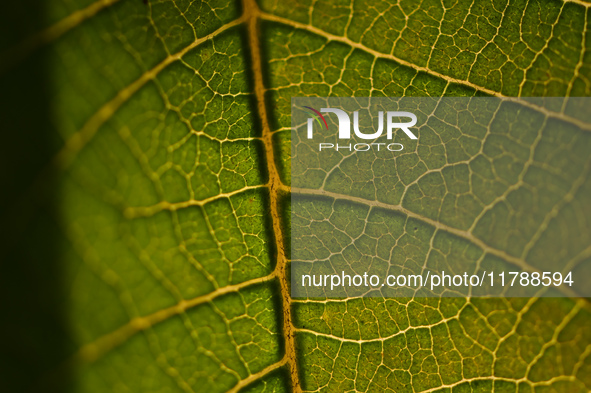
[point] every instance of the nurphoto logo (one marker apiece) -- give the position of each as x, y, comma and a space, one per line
344, 132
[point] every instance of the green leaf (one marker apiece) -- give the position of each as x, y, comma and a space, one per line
146, 195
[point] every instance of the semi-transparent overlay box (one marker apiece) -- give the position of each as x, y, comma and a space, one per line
481, 196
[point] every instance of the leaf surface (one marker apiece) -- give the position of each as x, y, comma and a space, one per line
168, 130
